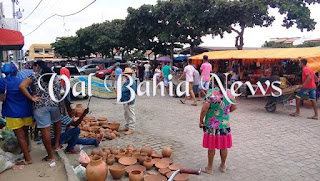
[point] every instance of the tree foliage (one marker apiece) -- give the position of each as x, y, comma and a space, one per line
174, 23
272, 44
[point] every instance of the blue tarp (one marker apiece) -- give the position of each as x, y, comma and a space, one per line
180, 59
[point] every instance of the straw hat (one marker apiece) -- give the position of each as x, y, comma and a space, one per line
128, 71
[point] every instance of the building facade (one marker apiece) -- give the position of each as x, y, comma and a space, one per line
41, 51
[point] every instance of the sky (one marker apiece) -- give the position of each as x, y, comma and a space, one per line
103, 10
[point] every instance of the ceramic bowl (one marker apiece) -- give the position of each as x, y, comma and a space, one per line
127, 161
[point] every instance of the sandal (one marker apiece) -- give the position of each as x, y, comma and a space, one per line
181, 101
47, 159
23, 162
205, 170
294, 115
315, 118
194, 105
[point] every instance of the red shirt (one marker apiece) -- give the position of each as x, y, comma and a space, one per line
305, 72
66, 72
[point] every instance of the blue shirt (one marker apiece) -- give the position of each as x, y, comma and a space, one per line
16, 105
125, 92
118, 71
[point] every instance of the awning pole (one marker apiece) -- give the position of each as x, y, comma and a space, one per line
1, 59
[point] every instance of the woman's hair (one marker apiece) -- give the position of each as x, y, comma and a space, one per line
44, 69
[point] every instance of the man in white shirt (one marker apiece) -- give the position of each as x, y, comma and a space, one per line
189, 72
147, 67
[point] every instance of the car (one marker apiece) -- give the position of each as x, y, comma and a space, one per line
88, 69
102, 74
74, 71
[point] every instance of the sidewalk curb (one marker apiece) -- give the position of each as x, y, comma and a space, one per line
69, 171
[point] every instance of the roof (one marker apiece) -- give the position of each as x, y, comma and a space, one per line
313, 40
201, 49
266, 55
11, 39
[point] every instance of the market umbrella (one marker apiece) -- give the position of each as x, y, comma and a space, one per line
180, 58
164, 59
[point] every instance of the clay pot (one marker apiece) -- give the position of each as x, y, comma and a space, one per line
148, 163
103, 154
166, 152
113, 136
79, 106
117, 171
102, 119
142, 157
110, 160
129, 148
114, 126
136, 155
94, 123
135, 175
147, 149
96, 170
114, 151
95, 152
116, 133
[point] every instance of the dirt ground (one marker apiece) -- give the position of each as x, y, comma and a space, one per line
38, 170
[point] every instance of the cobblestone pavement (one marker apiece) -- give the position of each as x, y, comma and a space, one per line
266, 146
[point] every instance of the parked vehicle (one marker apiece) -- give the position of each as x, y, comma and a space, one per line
105, 72
88, 69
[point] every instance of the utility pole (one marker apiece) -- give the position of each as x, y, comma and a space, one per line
14, 9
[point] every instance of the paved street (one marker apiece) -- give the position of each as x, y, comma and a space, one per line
266, 146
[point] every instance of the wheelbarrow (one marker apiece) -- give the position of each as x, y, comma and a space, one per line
287, 94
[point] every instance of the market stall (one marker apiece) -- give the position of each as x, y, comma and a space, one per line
263, 64
10, 40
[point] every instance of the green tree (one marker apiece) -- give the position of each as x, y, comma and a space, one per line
67, 47
244, 14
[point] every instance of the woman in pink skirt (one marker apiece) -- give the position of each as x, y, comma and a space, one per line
214, 120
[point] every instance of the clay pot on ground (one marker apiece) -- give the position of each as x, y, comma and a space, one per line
117, 171
166, 152
110, 160
142, 157
113, 136
114, 126
148, 163
147, 149
95, 151
102, 119
135, 175
114, 151
96, 170
116, 133
94, 123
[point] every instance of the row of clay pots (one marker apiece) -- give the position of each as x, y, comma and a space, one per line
144, 156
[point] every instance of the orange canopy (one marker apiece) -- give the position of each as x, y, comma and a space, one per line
265, 55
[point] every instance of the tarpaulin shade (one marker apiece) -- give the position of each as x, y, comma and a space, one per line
265, 55
11, 39
164, 59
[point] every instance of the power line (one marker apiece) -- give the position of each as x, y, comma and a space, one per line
60, 16
33, 10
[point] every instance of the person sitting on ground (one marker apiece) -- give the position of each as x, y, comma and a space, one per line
214, 120
129, 113
308, 87
70, 131
16, 108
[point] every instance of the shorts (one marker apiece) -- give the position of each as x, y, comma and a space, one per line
205, 85
16, 123
304, 91
166, 82
196, 89
44, 116
147, 74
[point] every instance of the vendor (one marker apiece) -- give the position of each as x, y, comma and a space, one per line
70, 131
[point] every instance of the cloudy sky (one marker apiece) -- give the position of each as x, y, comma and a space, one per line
103, 10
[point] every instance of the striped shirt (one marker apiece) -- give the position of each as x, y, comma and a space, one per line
65, 121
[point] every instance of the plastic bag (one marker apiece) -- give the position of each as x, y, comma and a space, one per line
10, 142
80, 171
5, 163
83, 157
